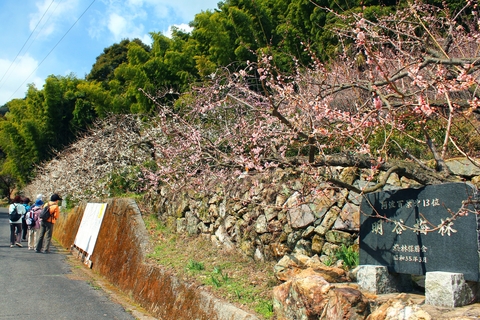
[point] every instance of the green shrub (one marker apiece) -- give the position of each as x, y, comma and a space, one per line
349, 255
124, 181
195, 266
265, 308
328, 262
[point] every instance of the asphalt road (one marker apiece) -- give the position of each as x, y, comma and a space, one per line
43, 286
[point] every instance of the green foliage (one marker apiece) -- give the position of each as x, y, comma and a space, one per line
215, 282
328, 262
463, 129
110, 59
214, 44
349, 255
195, 266
125, 181
387, 140
381, 140
99, 99
265, 307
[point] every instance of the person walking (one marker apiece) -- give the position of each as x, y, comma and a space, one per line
16, 226
46, 227
34, 214
26, 203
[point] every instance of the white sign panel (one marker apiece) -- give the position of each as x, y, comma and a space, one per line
90, 226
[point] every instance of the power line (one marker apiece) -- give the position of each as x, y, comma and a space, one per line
26, 42
44, 24
71, 27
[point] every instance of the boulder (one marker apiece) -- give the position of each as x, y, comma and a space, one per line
278, 250
317, 244
349, 175
310, 296
463, 167
291, 266
400, 307
192, 223
300, 298
348, 219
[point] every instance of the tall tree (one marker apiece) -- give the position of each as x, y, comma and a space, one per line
44, 121
110, 59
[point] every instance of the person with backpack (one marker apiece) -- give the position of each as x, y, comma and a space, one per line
48, 216
26, 203
33, 223
16, 211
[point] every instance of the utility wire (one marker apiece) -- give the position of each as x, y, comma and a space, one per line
25, 42
52, 49
44, 24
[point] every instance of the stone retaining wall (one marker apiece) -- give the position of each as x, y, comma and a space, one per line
267, 217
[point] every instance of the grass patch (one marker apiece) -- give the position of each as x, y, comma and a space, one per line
349, 255
195, 266
230, 276
94, 285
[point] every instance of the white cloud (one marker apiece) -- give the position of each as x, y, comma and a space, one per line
147, 39
50, 15
123, 27
21, 73
135, 3
184, 27
117, 24
108, 21
185, 10
136, 18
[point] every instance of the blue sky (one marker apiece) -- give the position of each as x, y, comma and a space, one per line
43, 37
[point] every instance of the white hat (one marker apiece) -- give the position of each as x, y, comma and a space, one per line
40, 196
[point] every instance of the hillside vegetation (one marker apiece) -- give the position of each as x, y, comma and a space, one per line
233, 51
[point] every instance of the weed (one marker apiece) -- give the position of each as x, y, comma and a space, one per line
195, 266
328, 262
237, 294
215, 281
225, 277
349, 256
265, 307
94, 285
218, 270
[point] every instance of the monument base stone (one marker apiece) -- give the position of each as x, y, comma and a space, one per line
446, 289
377, 280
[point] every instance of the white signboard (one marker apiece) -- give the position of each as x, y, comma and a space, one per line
90, 226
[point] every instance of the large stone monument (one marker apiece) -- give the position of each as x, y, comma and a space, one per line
430, 231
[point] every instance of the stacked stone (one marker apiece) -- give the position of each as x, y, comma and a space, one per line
268, 216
